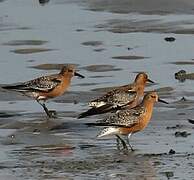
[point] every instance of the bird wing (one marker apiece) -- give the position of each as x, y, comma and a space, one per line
122, 98
127, 117
43, 84
117, 97
97, 110
113, 103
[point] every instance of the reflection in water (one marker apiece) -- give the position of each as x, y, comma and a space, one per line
30, 50
140, 6
24, 42
69, 152
38, 162
42, 2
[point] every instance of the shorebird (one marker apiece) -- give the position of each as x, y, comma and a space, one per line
115, 99
128, 121
46, 87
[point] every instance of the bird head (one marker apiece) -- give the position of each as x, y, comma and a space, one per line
69, 70
142, 78
153, 97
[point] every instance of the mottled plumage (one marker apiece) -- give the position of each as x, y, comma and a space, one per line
41, 84
46, 87
113, 103
115, 99
121, 95
126, 117
45, 83
128, 121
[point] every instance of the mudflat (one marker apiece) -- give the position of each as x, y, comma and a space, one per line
109, 42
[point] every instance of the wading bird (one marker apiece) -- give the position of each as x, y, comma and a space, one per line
124, 95
46, 87
128, 121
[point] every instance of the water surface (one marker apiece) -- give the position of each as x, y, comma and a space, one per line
109, 42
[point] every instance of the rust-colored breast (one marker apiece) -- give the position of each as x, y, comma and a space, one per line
142, 123
134, 129
58, 90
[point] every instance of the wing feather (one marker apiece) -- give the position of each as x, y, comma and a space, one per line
117, 97
127, 117
45, 84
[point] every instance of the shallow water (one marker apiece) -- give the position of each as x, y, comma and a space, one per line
109, 44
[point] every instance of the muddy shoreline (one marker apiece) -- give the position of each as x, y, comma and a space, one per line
109, 42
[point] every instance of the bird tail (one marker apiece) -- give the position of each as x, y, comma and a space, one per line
19, 87
99, 110
97, 124
105, 124
108, 131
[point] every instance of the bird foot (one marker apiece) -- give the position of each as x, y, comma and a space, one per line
132, 149
52, 113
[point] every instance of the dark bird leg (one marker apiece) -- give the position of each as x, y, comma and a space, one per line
122, 141
118, 143
45, 109
128, 142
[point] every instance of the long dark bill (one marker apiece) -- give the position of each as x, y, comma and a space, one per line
162, 101
79, 75
150, 81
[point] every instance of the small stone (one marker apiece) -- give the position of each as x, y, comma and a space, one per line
172, 151
177, 134
182, 134
36, 130
183, 99
181, 75
191, 121
42, 2
169, 174
75, 102
79, 30
169, 39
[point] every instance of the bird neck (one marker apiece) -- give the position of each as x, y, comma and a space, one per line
148, 106
148, 103
148, 113
140, 88
66, 78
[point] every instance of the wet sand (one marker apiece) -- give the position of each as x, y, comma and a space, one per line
109, 42
140, 6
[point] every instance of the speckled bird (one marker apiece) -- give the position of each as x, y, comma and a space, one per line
128, 121
119, 97
46, 87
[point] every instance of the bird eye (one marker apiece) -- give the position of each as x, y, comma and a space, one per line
70, 70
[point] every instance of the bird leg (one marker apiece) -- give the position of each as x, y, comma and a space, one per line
128, 142
118, 143
122, 141
45, 109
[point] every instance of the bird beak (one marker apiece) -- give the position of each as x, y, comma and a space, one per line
162, 101
79, 75
150, 81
